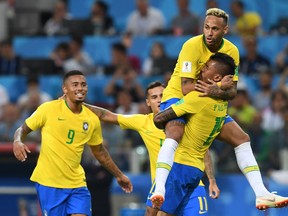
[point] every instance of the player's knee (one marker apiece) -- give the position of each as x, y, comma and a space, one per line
174, 130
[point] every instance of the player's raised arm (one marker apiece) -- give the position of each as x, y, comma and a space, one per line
106, 161
103, 114
19, 148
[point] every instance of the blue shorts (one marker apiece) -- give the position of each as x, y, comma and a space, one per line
60, 202
228, 119
181, 182
197, 204
166, 104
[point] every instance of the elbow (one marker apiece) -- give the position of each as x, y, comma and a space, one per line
158, 123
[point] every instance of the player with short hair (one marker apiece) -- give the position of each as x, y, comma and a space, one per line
204, 119
153, 138
66, 126
195, 52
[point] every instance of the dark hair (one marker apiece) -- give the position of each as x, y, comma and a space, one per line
119, 47
77, 39
227, 61
240, 4
102, 5
71, 73
153, 85
62, 46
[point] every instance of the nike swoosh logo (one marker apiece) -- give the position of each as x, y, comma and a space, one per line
267, 199
61, 119
202, 212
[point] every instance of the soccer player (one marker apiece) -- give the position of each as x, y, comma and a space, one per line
66, 126
205, 117
195, 52
153, 138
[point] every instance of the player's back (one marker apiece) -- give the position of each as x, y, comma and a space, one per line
204, 120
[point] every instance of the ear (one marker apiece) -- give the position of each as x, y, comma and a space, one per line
64, 89
226, 29
148, 102
217, 78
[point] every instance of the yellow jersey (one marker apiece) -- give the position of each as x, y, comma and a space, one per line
64, 135
193, 55
151, 135
204, 119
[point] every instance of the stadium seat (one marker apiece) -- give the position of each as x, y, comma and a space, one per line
36, 47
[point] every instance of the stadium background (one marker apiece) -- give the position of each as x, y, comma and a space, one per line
236, 198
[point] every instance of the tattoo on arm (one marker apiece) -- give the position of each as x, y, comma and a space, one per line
105, 160
209, 166
161, 118
22, 132
228, 94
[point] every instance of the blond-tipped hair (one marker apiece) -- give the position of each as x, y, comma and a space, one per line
218, 13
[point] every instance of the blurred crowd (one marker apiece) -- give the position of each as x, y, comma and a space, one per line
263, 113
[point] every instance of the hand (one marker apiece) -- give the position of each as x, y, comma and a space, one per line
125, 183
20, 150
206, 88
227, 82
214, 191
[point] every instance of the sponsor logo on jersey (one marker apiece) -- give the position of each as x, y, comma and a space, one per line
85, 126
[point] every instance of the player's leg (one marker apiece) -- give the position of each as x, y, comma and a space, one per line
174, 130
197, 204
233, 134
51, 200
79, 202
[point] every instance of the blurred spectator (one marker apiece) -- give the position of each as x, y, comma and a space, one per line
125, 78
185, 22
283, 83
10, 63
99, 181
253, 62
242, 111
246, 23
272, 116
55, 25
282, 59
145, 20
125, 104
120, 58
102, 22
60, 54
262, 97
10, 122
158, 62
273, 122
4, 99
211, 4
32, 87
80, 60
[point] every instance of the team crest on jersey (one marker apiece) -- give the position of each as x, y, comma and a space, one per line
85, 126
187, 66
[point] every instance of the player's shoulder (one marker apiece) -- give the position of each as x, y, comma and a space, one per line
196, 40
229, 44
50, 104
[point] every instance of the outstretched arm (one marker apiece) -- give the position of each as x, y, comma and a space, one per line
161, 118
227, 91
19, 148
214, 191
103, 114
102, 155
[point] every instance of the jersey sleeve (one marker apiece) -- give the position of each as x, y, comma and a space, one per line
133, 122
235, 55
96, 138
38, 118
189, 104
187, 61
